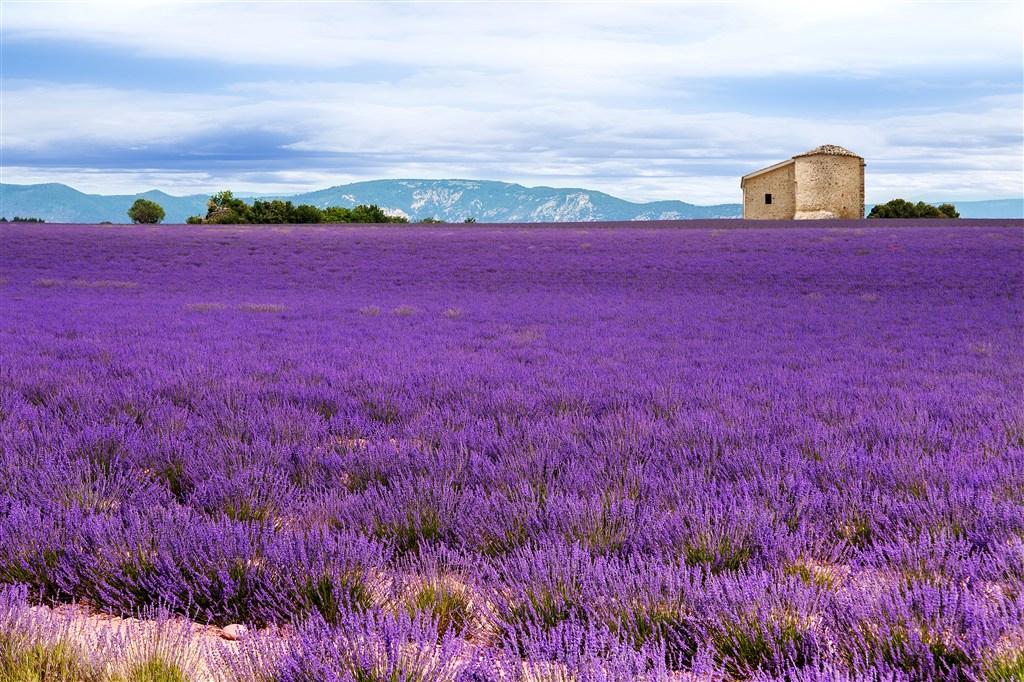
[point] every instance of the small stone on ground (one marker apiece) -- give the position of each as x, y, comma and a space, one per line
235, 632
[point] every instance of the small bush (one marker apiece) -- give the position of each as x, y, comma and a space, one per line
331, 596
446, 604
373, 648
155, 670
1006, 668
44, 661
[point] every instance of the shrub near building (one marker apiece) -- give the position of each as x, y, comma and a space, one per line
901, 208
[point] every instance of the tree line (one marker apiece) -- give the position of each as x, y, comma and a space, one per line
224, 208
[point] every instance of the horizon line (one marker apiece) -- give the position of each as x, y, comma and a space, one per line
245, 193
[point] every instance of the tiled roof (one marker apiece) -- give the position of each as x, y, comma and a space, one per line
776, 166
832, 149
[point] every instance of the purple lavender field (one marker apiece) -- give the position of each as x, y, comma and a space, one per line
506, 453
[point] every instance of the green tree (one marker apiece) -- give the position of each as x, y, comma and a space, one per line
305, 213
337, 214
275, 212
224, 209
146, 212
369, 214
901, 208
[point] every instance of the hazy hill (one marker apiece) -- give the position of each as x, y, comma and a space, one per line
58, 203
502, 202
449, 200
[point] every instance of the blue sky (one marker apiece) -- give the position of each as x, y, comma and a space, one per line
643, 100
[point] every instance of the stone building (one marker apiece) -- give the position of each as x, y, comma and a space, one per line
826, 182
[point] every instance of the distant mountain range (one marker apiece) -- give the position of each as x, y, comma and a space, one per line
448, 200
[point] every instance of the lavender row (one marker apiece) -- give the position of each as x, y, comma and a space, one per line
751, 450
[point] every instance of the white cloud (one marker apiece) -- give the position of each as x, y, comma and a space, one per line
601, 95
550, 41
132, 181
639, 154
41, 116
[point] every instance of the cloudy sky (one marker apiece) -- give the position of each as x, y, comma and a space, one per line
643, 100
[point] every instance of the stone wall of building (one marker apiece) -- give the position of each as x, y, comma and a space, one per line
829, 186
778, 182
